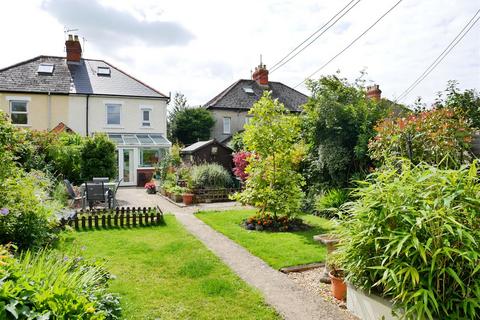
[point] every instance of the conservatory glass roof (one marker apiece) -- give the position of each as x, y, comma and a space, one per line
132, 139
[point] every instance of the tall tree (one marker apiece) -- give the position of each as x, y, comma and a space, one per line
191, 125
179, 103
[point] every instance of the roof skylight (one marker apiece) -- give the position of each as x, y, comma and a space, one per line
103, 71
45, 68
248, 89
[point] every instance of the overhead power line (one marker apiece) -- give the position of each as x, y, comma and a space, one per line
351, 43
282, 61
442, 55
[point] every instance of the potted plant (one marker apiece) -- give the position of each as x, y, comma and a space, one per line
176, 193
151, 187
188, 195
336, 274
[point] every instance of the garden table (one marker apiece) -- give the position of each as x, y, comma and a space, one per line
108, 185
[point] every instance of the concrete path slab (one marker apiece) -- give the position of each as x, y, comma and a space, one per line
290, 300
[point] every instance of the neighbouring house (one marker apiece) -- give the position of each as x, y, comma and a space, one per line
210, 151
89, 96
230, 107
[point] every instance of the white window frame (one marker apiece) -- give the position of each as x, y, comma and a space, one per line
229, 131
19, 99
247, 119
106, 113
142, 121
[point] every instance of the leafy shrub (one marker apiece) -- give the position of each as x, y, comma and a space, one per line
45, 285
274, 223
25, 219
430, 137
273, 136
240, 160
237, 143
65, 155
329, 203
211, 175
60, 194
98, 158
413, 235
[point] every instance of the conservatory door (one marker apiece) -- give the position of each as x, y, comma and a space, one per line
126, 167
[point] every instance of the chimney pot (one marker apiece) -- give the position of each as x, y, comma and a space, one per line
74, 49
374, 92
261, 75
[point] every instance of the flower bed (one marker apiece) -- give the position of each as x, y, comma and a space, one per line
274, 223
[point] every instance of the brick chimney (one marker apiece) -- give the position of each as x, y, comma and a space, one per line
260, 75
74, 49
374, 92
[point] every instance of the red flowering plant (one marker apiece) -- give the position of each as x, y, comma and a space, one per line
240, 160
274, 223
151, 187
437, 136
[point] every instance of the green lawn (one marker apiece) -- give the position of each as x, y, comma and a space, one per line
278, 249
163, 272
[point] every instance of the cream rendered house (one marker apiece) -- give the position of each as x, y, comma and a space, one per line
89, 96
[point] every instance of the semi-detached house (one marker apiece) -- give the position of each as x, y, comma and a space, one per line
89, 96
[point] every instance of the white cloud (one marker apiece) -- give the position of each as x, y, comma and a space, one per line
220, 41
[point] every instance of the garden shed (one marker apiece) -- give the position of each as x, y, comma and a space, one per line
210, 151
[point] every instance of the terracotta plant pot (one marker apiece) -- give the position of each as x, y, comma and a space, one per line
187, 198
339, 287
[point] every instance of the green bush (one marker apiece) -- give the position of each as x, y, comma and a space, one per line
65, 156
45, 285
211, 175
60, 193
98, 158
412, 235
329, 203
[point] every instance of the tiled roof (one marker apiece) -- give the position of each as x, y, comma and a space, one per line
196, 145
242, 94
78, 78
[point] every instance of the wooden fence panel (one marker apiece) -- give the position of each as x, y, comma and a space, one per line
122, 218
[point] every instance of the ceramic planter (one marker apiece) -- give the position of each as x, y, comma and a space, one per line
187, 198
176, 197
151, 191
368, 306
339, 287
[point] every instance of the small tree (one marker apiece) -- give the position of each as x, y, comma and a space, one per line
98, 157
191, 125
179, 103
273, 136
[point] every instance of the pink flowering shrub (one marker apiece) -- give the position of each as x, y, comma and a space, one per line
240, 160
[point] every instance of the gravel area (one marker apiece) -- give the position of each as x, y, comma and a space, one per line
310, 281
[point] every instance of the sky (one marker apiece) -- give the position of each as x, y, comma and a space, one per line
199, 48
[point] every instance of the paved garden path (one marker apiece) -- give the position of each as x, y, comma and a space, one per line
290, 300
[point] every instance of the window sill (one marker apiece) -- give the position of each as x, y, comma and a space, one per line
147, 128
22, 125
113, 127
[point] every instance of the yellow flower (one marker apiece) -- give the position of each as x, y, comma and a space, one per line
90, 309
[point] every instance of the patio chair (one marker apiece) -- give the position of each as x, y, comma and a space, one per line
72, 196
101, 179
112, 195
95, 192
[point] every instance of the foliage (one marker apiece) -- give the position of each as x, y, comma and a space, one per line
274, 223
466, 103
60, 193
177, 190
413, 235
278, 249
166, 273
45, 285
329, 203
98, 157
240, 160
338, 122
31, 149
24, 219
176, 159
237, 143
191, 125
179, 103
65, 156
210, 175
430, 137
273, 136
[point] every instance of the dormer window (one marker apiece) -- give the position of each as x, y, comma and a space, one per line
45, 68
103, 71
